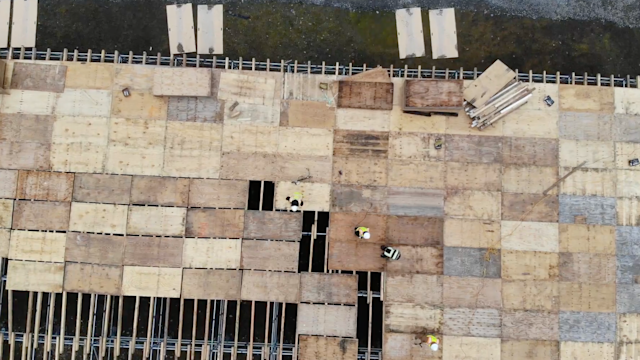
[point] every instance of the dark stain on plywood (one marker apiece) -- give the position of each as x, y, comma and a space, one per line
361, 143
365, 95
426, 93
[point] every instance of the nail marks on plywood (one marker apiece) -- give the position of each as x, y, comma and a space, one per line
35, 276
97, 188
38, 77
270, 286
98, 218
94, 249
37, 246
48, 186
410, 36
93, 279
175, 81
79, 143
192, 149
135, 147
41, 215
444, 37
182, 38
210, 29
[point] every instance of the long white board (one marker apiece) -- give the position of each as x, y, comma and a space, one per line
25, 20
410, 34
210, 29
444, 37
182, 37
5, 11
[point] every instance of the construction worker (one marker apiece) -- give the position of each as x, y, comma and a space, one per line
362, 232
296, 201
390, 253
431, 340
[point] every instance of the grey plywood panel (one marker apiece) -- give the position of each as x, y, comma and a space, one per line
459, 261
473, 149
41, 215
353, 198
627, 296
98, 188
587, 326
195, 109
530, 151
39, 77
274, 225
628, 269
415, 202
585, 126
472, 322
587, 210
626, 128
628, 240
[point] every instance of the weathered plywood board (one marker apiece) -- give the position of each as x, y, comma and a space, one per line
211, 284
627, 298
5, 12
414, 146
306, 86
415, 202
325, 348
151, 281
530, 207
254, 166
218, 193
252, 114
248, 89
472, 233
473, 149
444, 38
625, 128
528, 265
365, 95
39, 185
135, 77
355, 255
305, 141
593, 99
398, 346
530, 325
530, 350
135, 146
35, 276
40, 215
626, 101
463, 348
362, 144
530, 151
212, 254
328, 288
587, 297
159, 191
95, 76
153, 251
362, 119
628, 269
195, 109
412, 318
596, 182
471, 262
192, 149
94, 249
6, 213
359, 171
139, 105
350, 198
586, 350
93, 279
328, 320
587, 326
24, 23
597, 154
410, 36
156, 221
433, 94
414, 230
472, 322
98, 218
417, 260
413, 289
628, 211
270, 286
273, 225
114, 189
259, 255
469, 176
488, 83
210, 29
530, 295
473, 204
594, 239
627, 240
316, 197
585, 126
626, 350
542, 90
28, 102
531, 123
588, 268
307, 114
289, 167
176, 81
37, 246
182, 38
529, 236
342, 227
588, 210
628, 325
84, 102
25, 141
624, 152
5, 238
528, 179
469, 292
8, 183
38, 77
79, 144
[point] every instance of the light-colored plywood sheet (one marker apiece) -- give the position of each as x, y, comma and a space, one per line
488, 83
582, 238
531, 123
192, 149
529, 325
303, 141
35, 276
529, 236
6, 213
249, 138
628, 326
37, 246
413, 289
412, 318
151, 281
219, 193
472, 322
468, 204
410, 36
95, 76
469, 176
248, 89
625, 151
328, 288
182, 37
627, 184
530, 350
98, 188
570, 350
156, 221
216, 223
41, 215
399, 346
5, 238
529, 265
8, 183
444, 37
79, 144
628, 211
593, 182
135, 77
326, 348
530, 295
588, 268
273, 225
327, 320
417, 260
94, 249
98, 218
139, 105
81, 102
528, 179
416, 173
259, 255
38, 77
593, 99
153, 251
294, 167
176, 81
363, 119
359, 171
252, 114
135, 146
159, 191
93, 279
542, 90
626, 101
472, 292
307, 114
414, 146
270, 286
306, 86
5, 11
472, 233
28, 102
211, 284
48, 186
210, 29
24, 23
212, 253
414, 230
315, 197
587, 297
468, 348
597, 154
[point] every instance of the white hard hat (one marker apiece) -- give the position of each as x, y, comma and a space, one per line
366, 235
294, 208
434, 347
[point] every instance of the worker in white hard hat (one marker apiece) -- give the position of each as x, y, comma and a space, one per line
296, 201
390, 253
433, 342
363, 232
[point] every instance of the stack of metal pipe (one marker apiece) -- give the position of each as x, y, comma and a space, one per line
507, 100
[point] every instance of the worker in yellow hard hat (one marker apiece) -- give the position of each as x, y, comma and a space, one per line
296, 201
362, 232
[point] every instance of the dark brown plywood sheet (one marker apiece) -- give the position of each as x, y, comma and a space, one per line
415, 230
361, 143
215, 223
159, 191
327, 348
25, 141
270, 286
231, 194
270, 255
530, 325
355, 198
211, 284
358, 255
8, 183
41, 215
195, 109
39, 77
329, 288
530, 207
530, 151
274, 225
426, 93
49, 186
93, 279
110, 189
342, 226
365, 95
417, 260
153, 251
415, 201
95, 249
473, 149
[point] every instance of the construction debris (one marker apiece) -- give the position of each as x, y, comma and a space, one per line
634, 162
438, 143
548, 100
426, 96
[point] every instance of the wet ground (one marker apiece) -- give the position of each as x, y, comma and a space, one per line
359, 32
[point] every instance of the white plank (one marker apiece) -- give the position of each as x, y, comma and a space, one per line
5, 10
444, 38
25, 20
210, 29
410, 35
182, 38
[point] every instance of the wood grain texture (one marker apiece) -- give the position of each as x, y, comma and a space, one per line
325, 348
98, 218
530, 350
587, 297
529, 265
270, 286
93, 279
211, 253
530, 207
415, 202
414, 230
526, 179
417, 260
89, 76
530, 325
175, 81
151, 281
218, 223
167, 221
413, 318
8, 183
6, 213
273, 225
211, 284
593, 99
587, 268
414, 146
626, 184
94, 249
270, 255
373, 144
365, 95
473, 149
530, 151
627, 212
39, 77
472, 322
530, 295
305, 141
353, 198
359, 171
159, 191
195, 109
79, 143
329, 288
469, 204
5, 239
425, 93
136, 146
37, 246
77, 102
469, 292
153, 251
111, 189
414, 289
328, 320
471, 233
192, 150
598, 182
35, 276
38, 185
218, 193
625, 128
39, 215
476, 262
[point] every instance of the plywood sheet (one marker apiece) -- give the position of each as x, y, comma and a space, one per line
176, 81
594, 239
135, 146
359, 171
28, 102
586, 351
472, 292
8, 183
211, 284
531, 123
417, 260
528, 179
587, 326
530, 151
182, 37
580, 98
325, 348
588, 268
529, 236
444, 38
626, 101
413, 318
587, 297
6, 213
410, 36
473, 149
153, 251
469, 176
542, 90
413, 289
114, 189
135, 77
289, 167
625, 151
362, 119
151, 281
471, 233
248, 89
471, 262
597, 182
38, 77
139, 105
467, 348
472, 322
39, 185
428, 93
355, 255
26, 128
627, 240
306, 86
529, 265
79, 143
5, 238
159, 191
5, 11
24, 23
351, 198
35, 276
415, 202
94, 249
253, 166
274, 225
597, 154
192, 149
270, 286
342, 227
625, 128
530, 350
414, 146
365, 95
628, 328
93, 279
627, 298
218, 193
398, 346
95, 76
414, 230
328, 288
37, 246
628, 211
530, 207
588, 210
529, 325
20, 152
195, 109
303, 141
416, 173
210, 29
531, 295
488, 84
585, 126
328, 320
316, 197
252, 114
307, 114
371, 144
473, 204
40, 215
98, 218
81, 102
212, 254
156, 221
259, 255
628, 271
